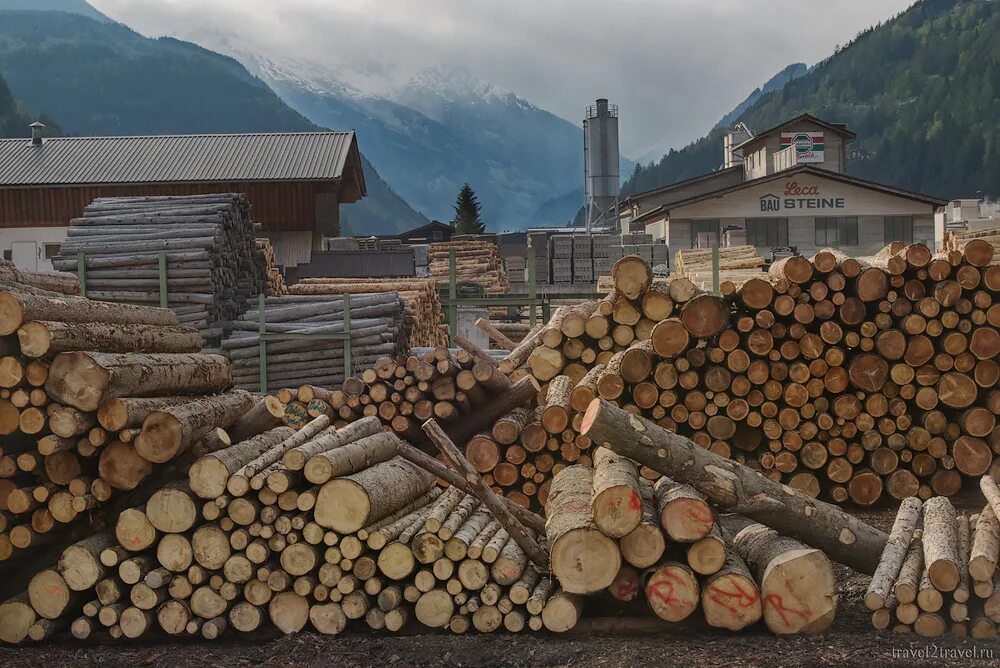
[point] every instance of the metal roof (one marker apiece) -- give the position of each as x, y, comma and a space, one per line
313, 156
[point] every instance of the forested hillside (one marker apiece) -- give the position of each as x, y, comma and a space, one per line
101, 78
922, 91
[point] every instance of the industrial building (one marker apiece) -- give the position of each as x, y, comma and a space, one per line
785, 187
295, 182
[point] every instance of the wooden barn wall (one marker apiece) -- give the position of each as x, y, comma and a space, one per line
276, 206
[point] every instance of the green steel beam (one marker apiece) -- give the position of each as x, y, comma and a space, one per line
164, 297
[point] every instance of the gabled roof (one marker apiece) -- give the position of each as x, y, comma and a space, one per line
685, 182
307, 156
433, 225
838, 128
815, 171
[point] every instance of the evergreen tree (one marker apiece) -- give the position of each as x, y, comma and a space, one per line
467, 212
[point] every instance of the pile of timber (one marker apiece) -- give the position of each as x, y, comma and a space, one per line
476, 263
423, 316
610, 529
58, 283
846, 378
275, 279
938, 573
464, 393
955, 241
92, 396
376, 330
213, 267
736, 265
250, 541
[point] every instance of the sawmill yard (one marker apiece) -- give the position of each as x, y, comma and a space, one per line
782, 469
850, 642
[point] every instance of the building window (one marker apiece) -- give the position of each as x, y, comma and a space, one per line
767, 232
710, 227
899, 228
51, 250
837, 231
437, 235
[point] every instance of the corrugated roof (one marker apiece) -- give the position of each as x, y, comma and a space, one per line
314, 156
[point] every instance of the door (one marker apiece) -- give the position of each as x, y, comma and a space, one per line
24, 254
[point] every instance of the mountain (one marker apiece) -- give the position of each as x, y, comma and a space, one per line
922, 91
440, 129
100, 78
70, 6
777, 82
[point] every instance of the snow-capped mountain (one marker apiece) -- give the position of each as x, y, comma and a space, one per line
434, 131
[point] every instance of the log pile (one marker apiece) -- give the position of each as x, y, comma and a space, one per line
249, 542
476, 263
736, 264
937, 573
609, 529
214, 265
376, 331
845, 378
56, 282
93, 395
463, 392
423, 316
275, 279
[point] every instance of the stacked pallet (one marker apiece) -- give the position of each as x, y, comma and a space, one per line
376, 327
476, 263
213, 263
77, 381
275, 279
839, 376
222, 553
736, 265
610, 529
421, 307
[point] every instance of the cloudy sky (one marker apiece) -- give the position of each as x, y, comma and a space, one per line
673, 66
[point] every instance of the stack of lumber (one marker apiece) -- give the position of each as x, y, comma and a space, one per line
938, 572
55, 282
213, 263
92, 396
376, 331
476, 263
275, 279
423, 316
608, 528
844, 377
464, 393
955, 241
248, 542
736, 265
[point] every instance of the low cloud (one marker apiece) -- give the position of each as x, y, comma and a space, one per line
673, 66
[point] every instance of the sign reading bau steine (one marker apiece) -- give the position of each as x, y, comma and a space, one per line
800, 197
808, 145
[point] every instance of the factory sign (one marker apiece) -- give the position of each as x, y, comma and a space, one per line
798, 197
808, 146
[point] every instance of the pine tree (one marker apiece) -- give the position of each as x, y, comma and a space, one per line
467, 212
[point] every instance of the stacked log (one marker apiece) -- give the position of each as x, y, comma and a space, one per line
79, 427
55, 282
423, 316
936, 574
611, 529
736, 265
275, 279
844, 378
376, 330
476, 263
462, 392
213, 267
378, 545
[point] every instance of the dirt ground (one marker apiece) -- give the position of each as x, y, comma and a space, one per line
851, 642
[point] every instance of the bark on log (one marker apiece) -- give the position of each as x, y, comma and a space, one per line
891, 561
940, 543
350, 503
42, 338
734, 487
17, 308
616, 503
170, 431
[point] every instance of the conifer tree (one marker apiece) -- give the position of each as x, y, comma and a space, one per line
467, 212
